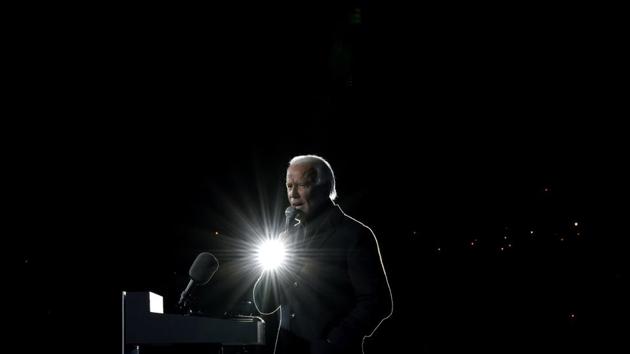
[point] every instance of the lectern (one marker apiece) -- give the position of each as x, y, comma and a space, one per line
146, 328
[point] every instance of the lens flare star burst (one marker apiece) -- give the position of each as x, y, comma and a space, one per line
271, 254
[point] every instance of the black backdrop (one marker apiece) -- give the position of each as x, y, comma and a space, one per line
471, 140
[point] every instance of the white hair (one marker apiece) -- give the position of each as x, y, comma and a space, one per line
325, 174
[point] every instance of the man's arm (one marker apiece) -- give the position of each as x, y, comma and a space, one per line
267, 290
373, 296
266, 297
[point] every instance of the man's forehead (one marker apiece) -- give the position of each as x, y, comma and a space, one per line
301, 171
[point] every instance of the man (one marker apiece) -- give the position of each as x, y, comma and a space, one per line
336, 292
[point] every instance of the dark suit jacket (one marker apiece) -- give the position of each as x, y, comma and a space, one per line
334, 290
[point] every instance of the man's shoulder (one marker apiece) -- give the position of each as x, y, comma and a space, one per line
353, 226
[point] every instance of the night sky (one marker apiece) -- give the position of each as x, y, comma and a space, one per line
482, 146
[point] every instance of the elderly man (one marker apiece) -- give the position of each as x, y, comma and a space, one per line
337, 291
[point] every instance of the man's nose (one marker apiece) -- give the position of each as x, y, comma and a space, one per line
293, 192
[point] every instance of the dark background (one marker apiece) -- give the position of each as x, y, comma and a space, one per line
134, 135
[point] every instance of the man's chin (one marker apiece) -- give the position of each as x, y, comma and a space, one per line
303, 210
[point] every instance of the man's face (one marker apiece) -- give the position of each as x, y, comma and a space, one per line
303, 194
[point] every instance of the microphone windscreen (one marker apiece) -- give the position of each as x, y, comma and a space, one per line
203, 268
290, 212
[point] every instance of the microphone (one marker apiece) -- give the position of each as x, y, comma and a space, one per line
201, 271
291, 213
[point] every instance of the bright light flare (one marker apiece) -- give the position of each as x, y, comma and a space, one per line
271, 254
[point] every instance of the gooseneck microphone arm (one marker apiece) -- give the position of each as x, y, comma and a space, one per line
201, 271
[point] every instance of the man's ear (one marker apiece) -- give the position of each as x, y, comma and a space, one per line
323, 190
